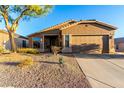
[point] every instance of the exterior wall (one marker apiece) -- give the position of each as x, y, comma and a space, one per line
120, 47
19, 43
90, 30
86, 29
119, 44
5, 42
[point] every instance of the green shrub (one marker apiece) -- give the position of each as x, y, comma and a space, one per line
28, 50
61, 61
26, 62
55, 49
1, 49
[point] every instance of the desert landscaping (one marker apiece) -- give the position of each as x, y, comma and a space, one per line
44, 71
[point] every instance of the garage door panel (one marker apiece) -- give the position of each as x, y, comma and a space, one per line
87, 44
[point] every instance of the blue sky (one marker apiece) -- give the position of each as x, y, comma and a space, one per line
113, 15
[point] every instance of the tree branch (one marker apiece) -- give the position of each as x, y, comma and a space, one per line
15, 23
6, 7
4, 13
1, 13
21, 15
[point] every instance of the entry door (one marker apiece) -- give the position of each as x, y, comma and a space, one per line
105, 44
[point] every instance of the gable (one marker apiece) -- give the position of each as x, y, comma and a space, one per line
53, 29
58, 26
87, 29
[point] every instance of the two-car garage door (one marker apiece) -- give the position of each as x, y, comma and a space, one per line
89, 44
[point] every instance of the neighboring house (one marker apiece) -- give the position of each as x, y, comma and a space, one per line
119, 44
86, 36
21, 41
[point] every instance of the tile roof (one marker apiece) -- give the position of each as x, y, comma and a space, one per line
70, 23
57, 26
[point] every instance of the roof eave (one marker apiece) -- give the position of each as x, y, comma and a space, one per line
85, 21
113, 27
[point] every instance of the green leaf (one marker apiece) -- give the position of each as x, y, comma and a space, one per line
10, 19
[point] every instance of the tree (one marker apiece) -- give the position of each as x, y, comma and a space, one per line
13, 14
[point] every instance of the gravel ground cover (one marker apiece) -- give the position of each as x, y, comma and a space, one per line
45, 73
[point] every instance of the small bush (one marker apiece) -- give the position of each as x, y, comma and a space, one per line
26, 62
61, 61
56, 49
28, 50
1, 49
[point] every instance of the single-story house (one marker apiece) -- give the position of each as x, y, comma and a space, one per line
86, 36
21, 41
119, 44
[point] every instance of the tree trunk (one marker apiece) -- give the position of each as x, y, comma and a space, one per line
12, 41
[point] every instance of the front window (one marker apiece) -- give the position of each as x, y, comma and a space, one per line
36, 42
66, 40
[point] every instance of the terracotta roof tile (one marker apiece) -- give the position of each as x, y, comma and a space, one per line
70, 23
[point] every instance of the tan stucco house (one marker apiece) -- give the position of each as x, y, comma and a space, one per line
119, 44
84, 36
21, 41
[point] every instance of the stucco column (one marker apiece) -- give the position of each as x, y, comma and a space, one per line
63, 41
43, 43
70, 41
30, 42
111, 44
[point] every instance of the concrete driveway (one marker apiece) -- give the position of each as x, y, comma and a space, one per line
102, 71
